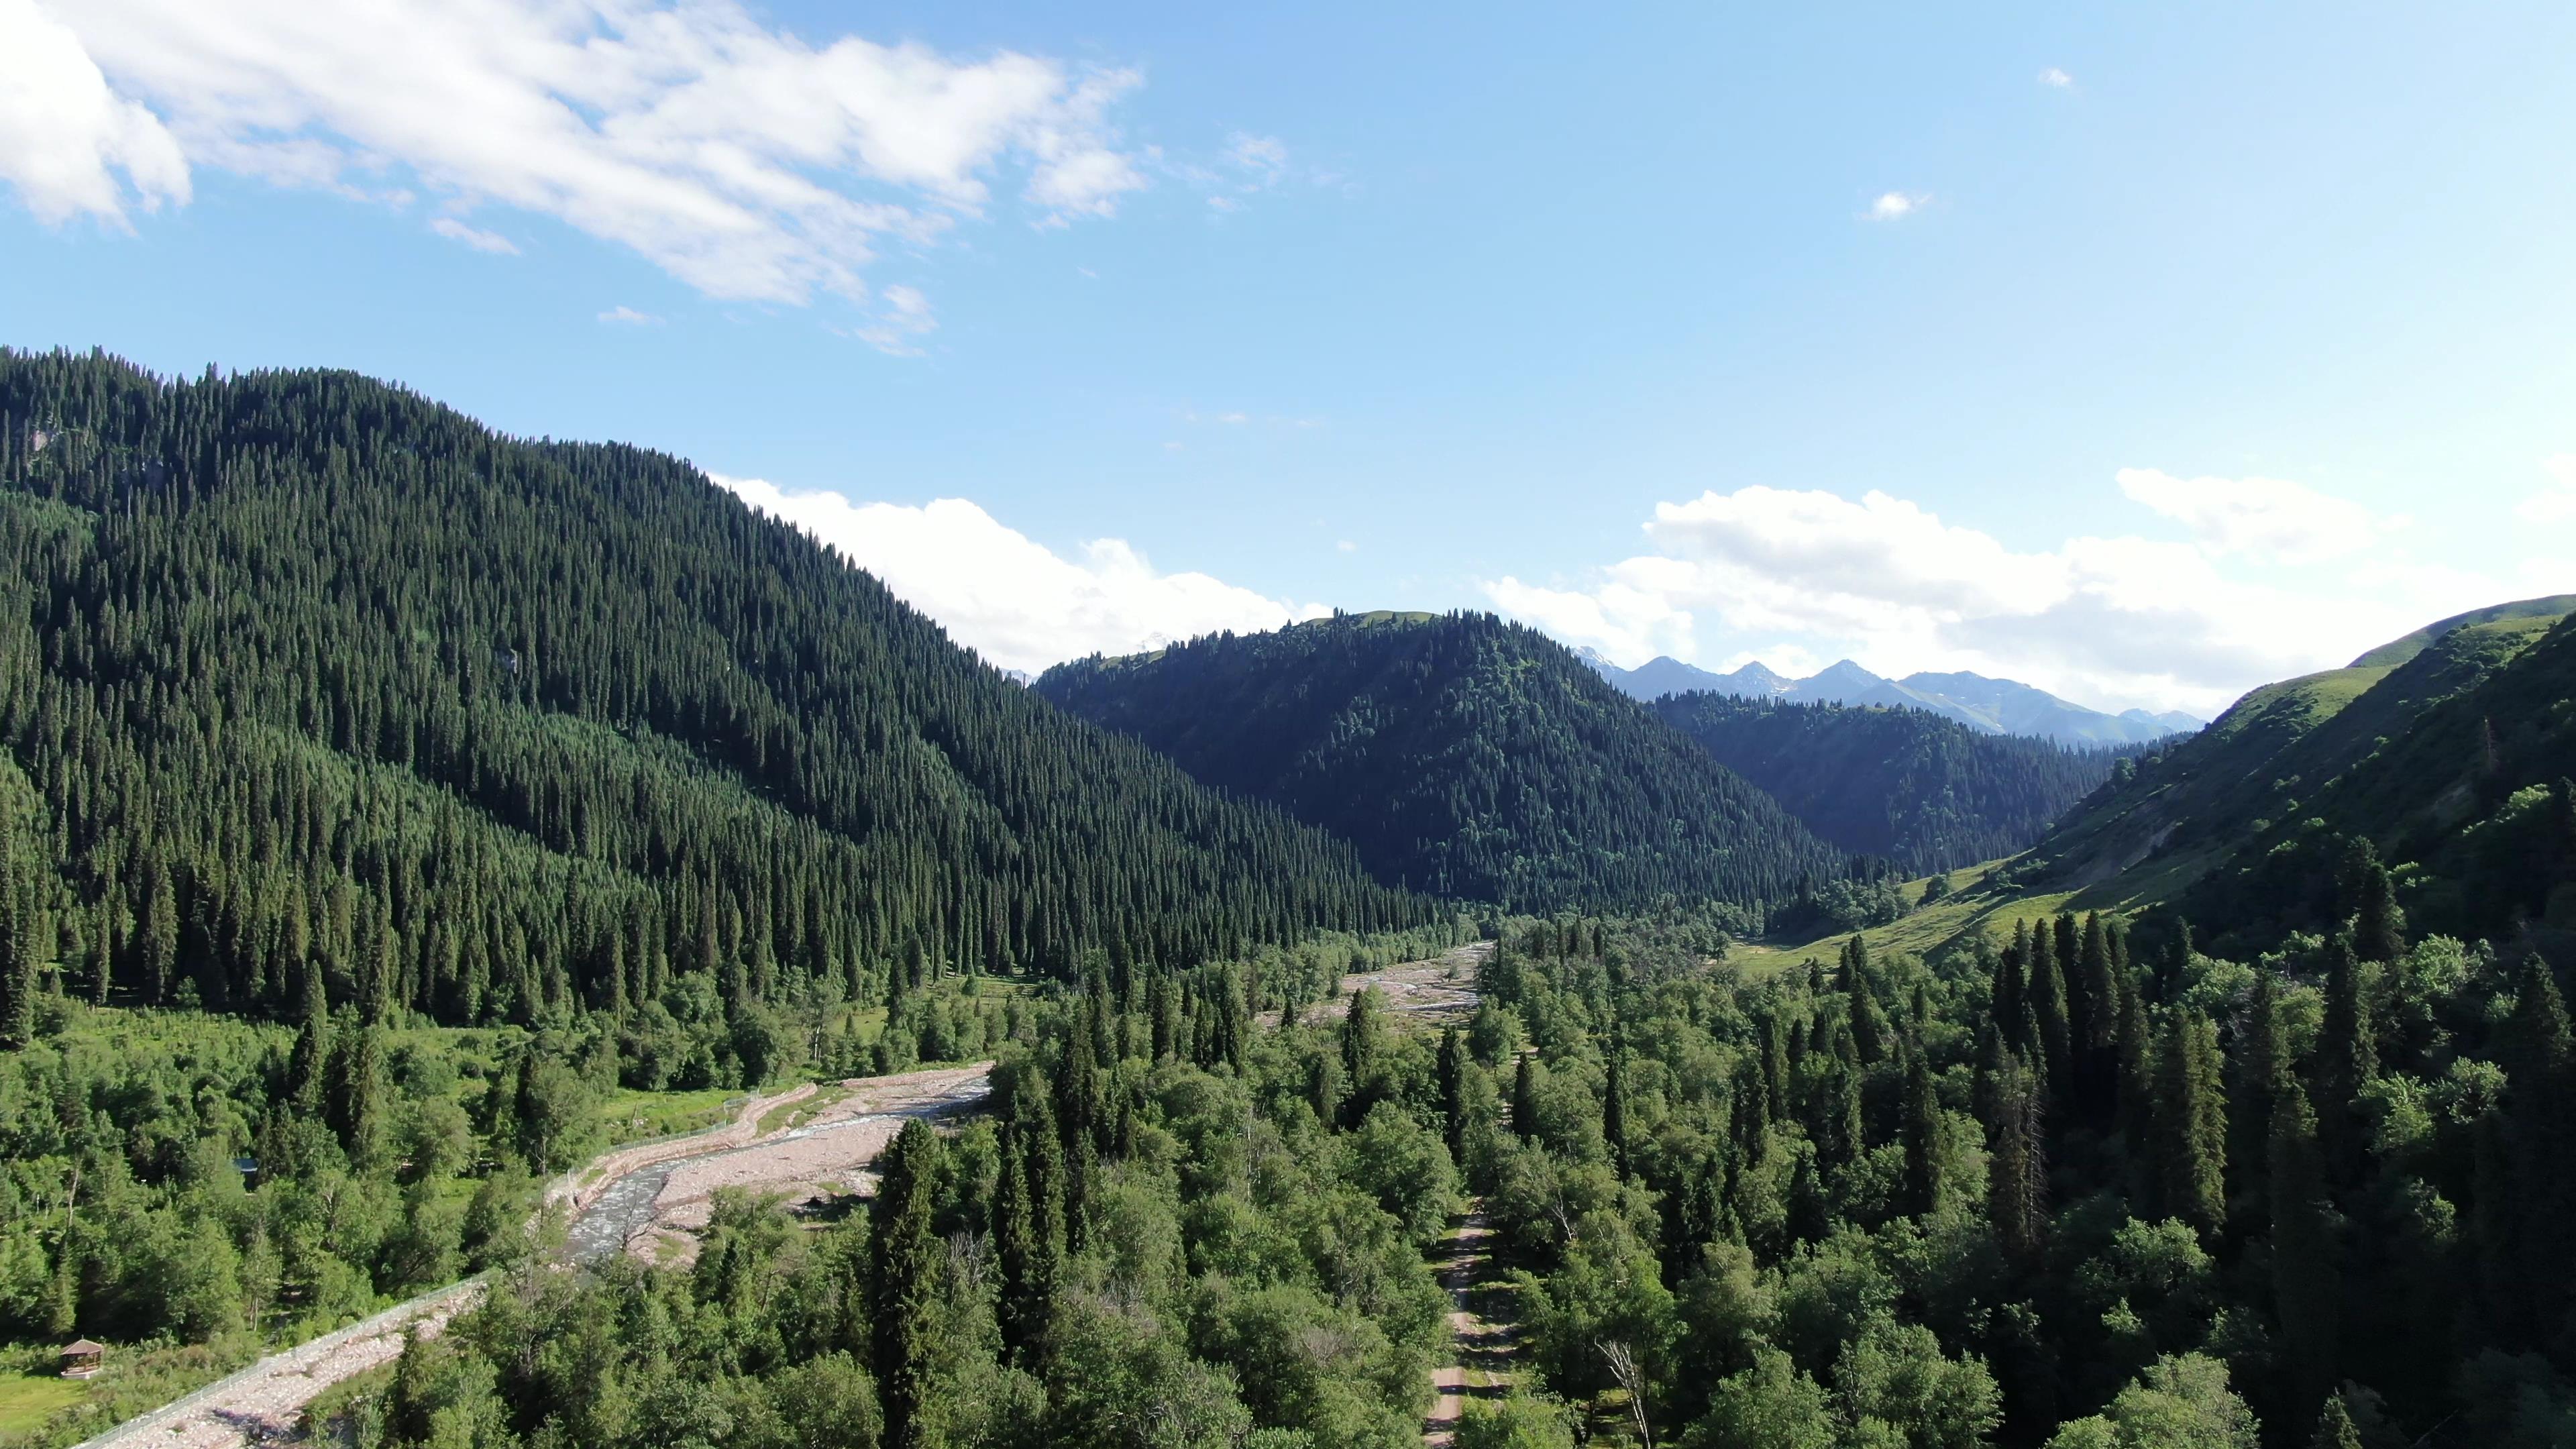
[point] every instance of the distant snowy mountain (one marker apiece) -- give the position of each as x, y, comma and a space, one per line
1994, 706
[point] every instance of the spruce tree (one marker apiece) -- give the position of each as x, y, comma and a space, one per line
2335, 1429
2379, 927
903, 1281
17, 952
1525, 1098
2048, 999
2017, 1170
2307, 1285
2346, 1062
305, 1064
2262, 1075
1921, 1133
2191, 1126
1451, 1070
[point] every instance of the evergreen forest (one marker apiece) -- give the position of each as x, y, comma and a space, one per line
1460, 755
1906, 786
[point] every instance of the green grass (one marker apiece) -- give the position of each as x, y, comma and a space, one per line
28, 1400
633, 1116
798, 1113
41, 1411
1969, 912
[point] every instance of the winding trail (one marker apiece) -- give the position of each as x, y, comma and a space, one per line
640, 1198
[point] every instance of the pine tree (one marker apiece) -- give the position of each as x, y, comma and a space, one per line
1921, 1133
2191, 1123
2102, 1001
2134, 1052
903, 1281
312, 1052
1614, 1114
2017, 1170
2262, 1076
1525, 1099
1868, 1033
2048, 998
1451, 1070
2335, 1429
2346, 1062
2379, 927
17, 952
2307, 1286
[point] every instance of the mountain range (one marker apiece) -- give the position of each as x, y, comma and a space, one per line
1992, 706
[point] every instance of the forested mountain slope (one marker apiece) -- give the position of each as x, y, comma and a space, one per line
1461, 755
2439, 755
1925, 792
299, 666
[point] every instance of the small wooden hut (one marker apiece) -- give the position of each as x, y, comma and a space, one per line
83, 1359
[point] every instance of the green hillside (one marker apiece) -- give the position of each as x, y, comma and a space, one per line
299, 667
1460, 755
1906, 785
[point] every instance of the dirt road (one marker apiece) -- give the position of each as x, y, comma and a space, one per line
1482, 1366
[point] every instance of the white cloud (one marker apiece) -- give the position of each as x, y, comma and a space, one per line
2556, 503
1346, 546
2264, 518
1810, 575
628, 316
904, 316
1895, 205
64, 135
741, 159
1009, 598
2056, 79
481, 241
1262, 159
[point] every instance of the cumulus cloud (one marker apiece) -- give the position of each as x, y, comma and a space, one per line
629, 317
2264, 518
481, 241
741, 159
2556, 503
1782, 574
1895, 205
2056, 79
69, 145
1011, 599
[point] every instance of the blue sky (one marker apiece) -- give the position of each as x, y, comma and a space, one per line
2144, 356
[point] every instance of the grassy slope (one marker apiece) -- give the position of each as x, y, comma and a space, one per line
2365, 738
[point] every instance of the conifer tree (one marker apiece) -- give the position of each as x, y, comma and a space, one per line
2307, 1286
1451, 1071
1525, 1098
2335, 1429
2190, 1116
2102, 1003
2134, 1053
2379, 927
2346, 1062
2017, 1169
17, 953
2262, 1076
2048, 1000
1614, 1114
903, 1281
1921, 1134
